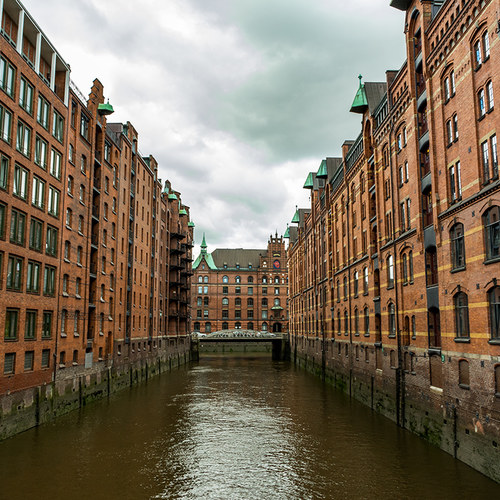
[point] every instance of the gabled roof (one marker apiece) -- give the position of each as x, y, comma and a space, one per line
204, 255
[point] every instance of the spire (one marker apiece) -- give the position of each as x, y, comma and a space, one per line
204, 245
360, 102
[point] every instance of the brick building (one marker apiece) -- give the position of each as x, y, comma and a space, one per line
240, 288
95, 252
393, 268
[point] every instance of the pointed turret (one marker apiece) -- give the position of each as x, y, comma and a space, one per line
360, 103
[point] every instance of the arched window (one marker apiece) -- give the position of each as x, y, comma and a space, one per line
345, 287
264, 279
225, 279
264, 327
225, 301
197, 326
250, 279
392, 320
237, 279
237, 325
200, 279
365, 280
205, 279
339, 323
237, 302
356, 321
205, 301
225, 326
461, 315
249, 302
463, 374
491, 220
250, 326
494, 307
199, 301
346, 322
457, 246
277, 279
276, 302
404, 269
356, 283
390, 271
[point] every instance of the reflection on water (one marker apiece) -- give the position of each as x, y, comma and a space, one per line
230, 428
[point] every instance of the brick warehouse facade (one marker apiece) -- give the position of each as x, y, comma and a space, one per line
393, 268
240, 288
95, 252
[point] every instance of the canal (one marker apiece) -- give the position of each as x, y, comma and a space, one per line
230, 427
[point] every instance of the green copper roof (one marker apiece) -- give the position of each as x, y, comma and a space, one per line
204, 256
165, 189
287, 232
296, 218
309, 184
182, 211
105, 108
172, 196
360, 102
322, 171
190, 223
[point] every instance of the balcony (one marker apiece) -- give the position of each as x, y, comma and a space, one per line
95, 211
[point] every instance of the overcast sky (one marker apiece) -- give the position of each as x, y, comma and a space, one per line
237, 99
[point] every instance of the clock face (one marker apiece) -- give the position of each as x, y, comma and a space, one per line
276, 264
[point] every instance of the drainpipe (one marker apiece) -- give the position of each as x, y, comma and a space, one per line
400, 376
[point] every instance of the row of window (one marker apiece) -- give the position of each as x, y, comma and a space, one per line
18, 226
27, 98
225, 326
31, 324
42, 196
237, 290
237, 279
16, 275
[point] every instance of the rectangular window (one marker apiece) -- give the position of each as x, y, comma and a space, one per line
29, 357
5, 124
402, 213
408, 216
482, 104
250, 290
107, 151
11, 324
23, 140
455, 128
41, 148
486, 161
3, 211
83, 164
84, 126
26, 92
20, 186
49, 281
33, 277
30, 325
17, 227
38, 192
55, 163
9, 363
47, 325
51, 241
7, 77
45, 358
494, 156
453, 191
57, 126
14, 273
449, 132
53, 201
43, 110
4, 172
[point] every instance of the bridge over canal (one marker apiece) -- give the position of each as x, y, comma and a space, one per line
234, 340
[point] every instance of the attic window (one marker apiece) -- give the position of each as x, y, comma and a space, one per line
249, 266
225, 265
237, 266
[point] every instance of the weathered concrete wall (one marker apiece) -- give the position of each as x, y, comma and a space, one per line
467, 431
28, 408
